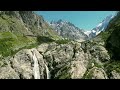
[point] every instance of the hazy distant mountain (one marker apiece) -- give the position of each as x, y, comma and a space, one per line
68, 30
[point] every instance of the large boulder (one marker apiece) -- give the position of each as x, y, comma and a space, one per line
115, 75
100, 53
42, 48
96, 73
8, 72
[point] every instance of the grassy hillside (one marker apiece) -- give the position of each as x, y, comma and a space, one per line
9, 42
21, 29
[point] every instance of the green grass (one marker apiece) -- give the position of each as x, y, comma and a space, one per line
88, 75
45, 39
10, 43
13, 39
65, 41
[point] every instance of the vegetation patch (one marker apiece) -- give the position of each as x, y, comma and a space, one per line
10, 43
63, 73
44, 39
62, 41
89, 72
113, 65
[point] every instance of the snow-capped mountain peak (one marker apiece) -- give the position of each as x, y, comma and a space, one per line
100, 27
87, 32
100, 24
68, 30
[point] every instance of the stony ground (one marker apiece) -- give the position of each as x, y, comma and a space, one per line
58, 61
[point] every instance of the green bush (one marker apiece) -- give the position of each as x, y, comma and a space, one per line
65, 41
63, 73
113, 65
44, 39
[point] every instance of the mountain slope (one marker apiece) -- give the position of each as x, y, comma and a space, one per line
19, 29
110, 40
68, 30
113, 37
25, 22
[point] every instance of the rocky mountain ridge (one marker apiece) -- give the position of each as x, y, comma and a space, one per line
68, 30
27, 22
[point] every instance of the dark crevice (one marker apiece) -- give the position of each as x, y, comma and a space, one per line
32, 76
65, 49
11, 64
45, 75
74, 51
53, 57
21, 76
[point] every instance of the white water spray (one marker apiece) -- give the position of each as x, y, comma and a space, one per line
36, 67
47, 72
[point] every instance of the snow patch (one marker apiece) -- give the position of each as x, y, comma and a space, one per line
99, 25
87, 32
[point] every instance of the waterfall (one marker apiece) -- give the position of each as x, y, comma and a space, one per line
47, 72
36, 67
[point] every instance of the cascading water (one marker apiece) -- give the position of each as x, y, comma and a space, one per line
36, 67
47, 72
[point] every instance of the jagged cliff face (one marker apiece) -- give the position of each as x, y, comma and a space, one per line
25, 22
68, 30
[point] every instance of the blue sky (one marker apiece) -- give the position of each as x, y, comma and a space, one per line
82, 19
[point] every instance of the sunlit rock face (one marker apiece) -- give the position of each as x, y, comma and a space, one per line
68, 30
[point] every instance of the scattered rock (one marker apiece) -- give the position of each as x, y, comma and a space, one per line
115, 75
42, 48
96, 73
8, 73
